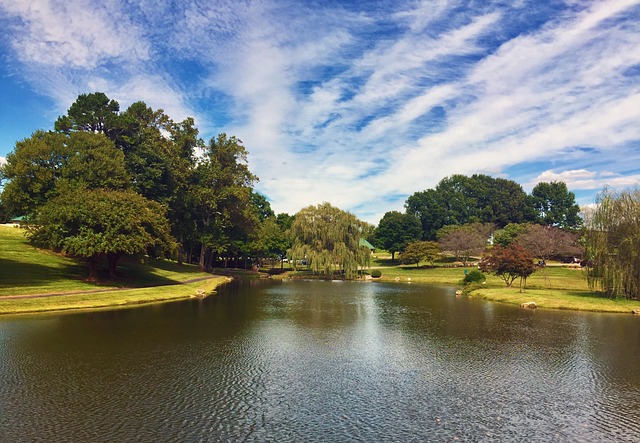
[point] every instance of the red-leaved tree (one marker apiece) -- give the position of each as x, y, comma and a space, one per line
509, 263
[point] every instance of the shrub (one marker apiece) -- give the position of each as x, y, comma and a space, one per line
376, 273
474, 276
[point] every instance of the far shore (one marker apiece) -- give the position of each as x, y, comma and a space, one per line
556, 287
33, 280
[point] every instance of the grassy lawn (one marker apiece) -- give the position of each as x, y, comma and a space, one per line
111, 299
25, 270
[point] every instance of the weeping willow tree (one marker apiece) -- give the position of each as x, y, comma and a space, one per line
327, 240
613, 244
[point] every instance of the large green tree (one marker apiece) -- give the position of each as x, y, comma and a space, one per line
396, 230
418, 251
460, 199
222, 198
328, 238
93, 112
45, 164
98, 223
554, 205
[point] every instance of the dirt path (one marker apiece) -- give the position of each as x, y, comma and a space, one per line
95, 291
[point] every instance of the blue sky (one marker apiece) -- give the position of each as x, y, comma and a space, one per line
360, 104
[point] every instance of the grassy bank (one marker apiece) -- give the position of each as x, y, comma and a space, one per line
27, 271
555, 287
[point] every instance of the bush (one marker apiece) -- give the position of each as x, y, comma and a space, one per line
376, 273
474, 276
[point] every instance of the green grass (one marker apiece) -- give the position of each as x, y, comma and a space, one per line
554, 287
111, 299
25, 270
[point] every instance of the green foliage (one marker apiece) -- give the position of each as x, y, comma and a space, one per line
270, 240
91, 113
46, 164
554, 205
474, 277
420, 251
261, 206
396, 230
209, 198
102, 223
508, 263
459, 200
328, 239
509, 234
613, 244
376, 273
222, 201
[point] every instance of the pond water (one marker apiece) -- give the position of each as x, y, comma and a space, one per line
321, 361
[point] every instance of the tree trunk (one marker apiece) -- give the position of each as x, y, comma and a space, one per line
210, 262
93, 266
112, 261
180, 251
203, 256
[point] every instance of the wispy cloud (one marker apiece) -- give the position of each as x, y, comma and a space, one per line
77, 33
590, 180
362, 104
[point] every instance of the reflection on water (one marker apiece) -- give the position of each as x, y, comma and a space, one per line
321, 361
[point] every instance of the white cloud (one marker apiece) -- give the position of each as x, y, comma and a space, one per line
78, 33
333, 106
2, 161
582, 179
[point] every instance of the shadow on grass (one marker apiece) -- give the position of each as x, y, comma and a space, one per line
385, 262
20, 274
129, 274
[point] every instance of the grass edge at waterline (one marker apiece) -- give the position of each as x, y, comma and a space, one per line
110, 299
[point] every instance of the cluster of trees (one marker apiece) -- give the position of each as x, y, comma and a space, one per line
107, 183
459, 199
462, 212
475, 216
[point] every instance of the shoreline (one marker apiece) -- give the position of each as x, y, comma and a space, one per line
556, 298
104, 299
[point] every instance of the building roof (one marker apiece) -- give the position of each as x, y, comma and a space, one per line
364, 242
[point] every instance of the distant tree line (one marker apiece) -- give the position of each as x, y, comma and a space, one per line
461, 212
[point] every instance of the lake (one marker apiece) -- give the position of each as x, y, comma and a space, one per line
305, 361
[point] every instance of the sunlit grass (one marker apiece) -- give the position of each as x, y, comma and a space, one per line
111, 299
28, 270
557, 286
25, 270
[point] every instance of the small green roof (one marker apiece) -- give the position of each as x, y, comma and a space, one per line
364, 242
